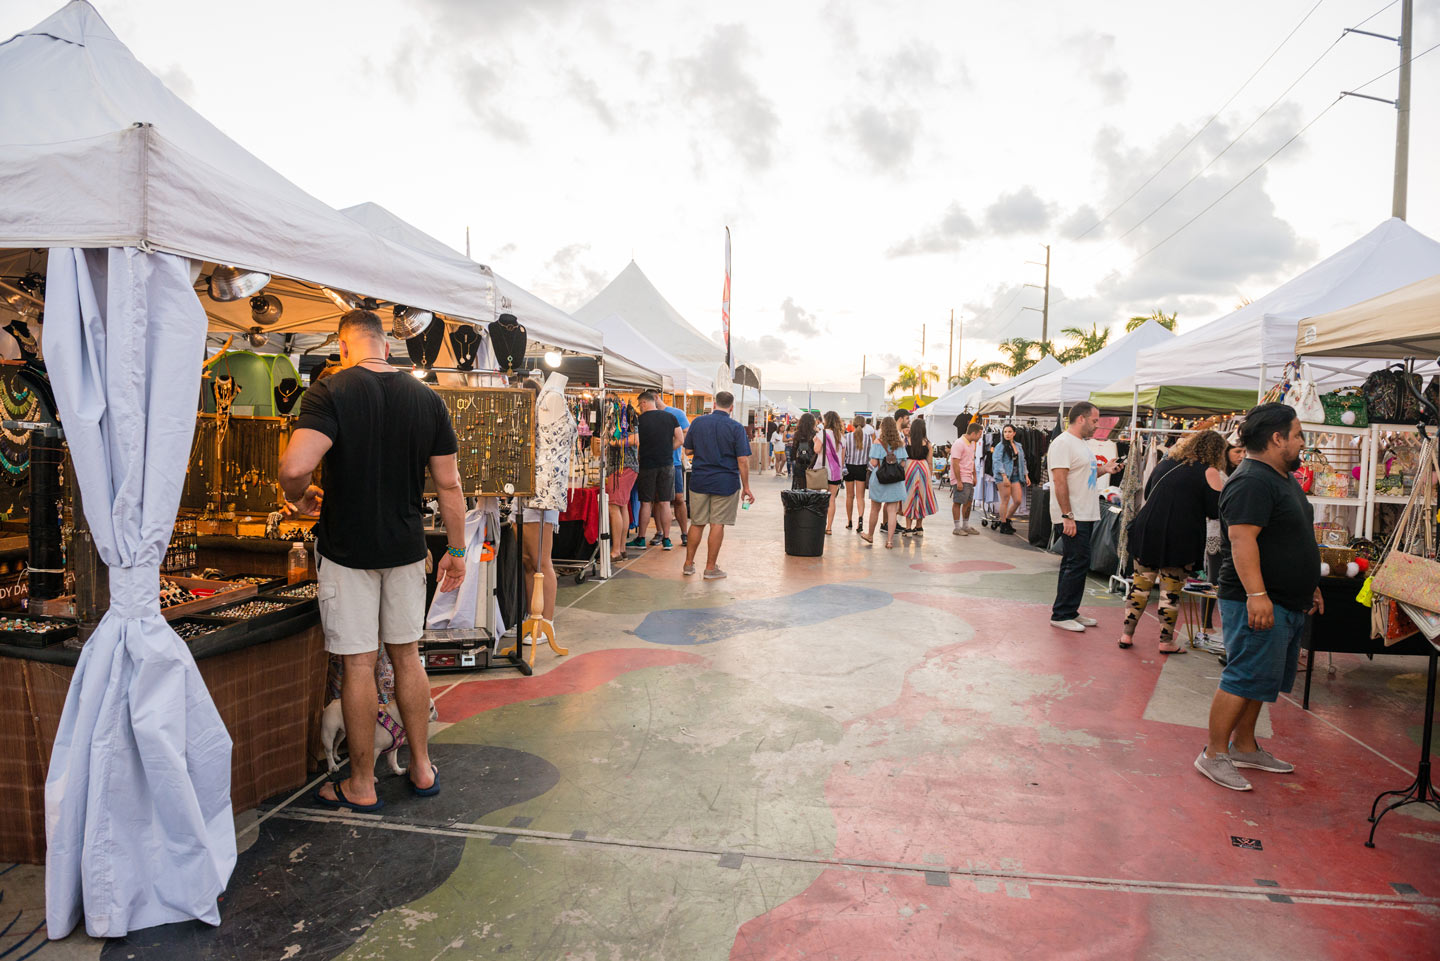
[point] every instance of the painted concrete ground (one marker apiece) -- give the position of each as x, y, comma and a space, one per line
875, 754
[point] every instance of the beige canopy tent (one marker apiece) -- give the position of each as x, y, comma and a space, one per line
1401, 323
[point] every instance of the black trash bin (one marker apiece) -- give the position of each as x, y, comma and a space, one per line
805, 521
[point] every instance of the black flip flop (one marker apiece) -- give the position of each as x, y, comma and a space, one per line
430, 791
1178, 650
1125, 645
341, 803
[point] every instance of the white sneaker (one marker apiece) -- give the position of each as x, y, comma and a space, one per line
957, 530
1071, 625
967, 529
1087, 621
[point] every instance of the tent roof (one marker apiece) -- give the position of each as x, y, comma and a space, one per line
620, 336
1075, 382
544, 323
98, 153
1119, 397
1233, 351
635, 300
1401, 323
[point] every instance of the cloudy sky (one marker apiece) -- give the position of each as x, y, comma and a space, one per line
876, 171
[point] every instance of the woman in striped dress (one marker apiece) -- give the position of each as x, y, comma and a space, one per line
919, 500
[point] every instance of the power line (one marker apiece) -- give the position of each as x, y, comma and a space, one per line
1213, 117
1296, 136
1199, 173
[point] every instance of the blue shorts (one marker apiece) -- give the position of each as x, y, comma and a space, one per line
1260, 665
679, 483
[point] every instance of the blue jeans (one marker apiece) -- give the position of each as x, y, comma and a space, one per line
1074, 565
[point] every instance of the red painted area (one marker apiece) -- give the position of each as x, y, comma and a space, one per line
848, 916
1072, 780
961, 567
579, 673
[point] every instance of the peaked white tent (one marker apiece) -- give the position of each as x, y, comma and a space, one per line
1248, 348
940, 413
1074, 382
621, 337
633, 298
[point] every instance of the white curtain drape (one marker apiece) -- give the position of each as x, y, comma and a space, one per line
138, 824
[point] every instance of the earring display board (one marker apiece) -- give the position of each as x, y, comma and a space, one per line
495, 428
235, 460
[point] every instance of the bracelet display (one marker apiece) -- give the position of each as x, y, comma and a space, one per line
455, 551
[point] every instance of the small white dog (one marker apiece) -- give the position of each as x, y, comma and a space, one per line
389, 732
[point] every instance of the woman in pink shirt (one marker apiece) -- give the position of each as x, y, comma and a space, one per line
962, 476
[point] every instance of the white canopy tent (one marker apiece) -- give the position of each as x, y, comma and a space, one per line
1055, 392
940, 413
123, 195
1248, 348
632, 298
620, 336
98, 153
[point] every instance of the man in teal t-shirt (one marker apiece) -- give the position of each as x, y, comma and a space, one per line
682, 513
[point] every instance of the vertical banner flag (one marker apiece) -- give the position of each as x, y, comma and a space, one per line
725, 306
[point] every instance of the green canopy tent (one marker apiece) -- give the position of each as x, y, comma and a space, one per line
1177, 400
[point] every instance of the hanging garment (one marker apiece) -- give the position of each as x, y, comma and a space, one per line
555, 433
460, 608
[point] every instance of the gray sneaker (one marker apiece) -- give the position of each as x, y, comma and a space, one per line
1209, 643
1221, 770
1260, 760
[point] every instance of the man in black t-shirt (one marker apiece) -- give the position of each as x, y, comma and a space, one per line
1269, 585
377, 430
660, 437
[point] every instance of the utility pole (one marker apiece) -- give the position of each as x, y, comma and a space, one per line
1044, 311
950, 353
920, 369
1402, 113
467, 241
1401, 103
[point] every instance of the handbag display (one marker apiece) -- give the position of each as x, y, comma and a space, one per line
1408, 572
889, 471
1306, 400
1345, 408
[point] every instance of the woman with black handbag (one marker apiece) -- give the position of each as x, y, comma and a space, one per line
887, 480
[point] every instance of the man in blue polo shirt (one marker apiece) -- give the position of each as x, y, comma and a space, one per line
719, 477
678, 504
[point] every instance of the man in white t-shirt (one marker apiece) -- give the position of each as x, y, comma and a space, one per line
1075, 502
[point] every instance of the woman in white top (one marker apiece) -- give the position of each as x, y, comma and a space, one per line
777, 447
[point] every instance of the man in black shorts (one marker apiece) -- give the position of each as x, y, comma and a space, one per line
378, 430
660, 437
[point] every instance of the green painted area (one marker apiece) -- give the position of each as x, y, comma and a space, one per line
679, 756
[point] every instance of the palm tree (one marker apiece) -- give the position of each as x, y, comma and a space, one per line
1159, 316
925, 374
1086, 342
906, 377
1017, 351
970, 372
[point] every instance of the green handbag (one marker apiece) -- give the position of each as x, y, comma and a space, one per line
1345, 408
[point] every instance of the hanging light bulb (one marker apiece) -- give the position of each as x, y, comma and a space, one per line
345, 301
410, 321
265, 309
232, 283
552, 359
257, 337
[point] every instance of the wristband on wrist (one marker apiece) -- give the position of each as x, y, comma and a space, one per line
455, 551
1258, 594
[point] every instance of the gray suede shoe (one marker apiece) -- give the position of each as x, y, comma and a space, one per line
1221, 770
1260, 760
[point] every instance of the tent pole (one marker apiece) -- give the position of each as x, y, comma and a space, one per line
1135, 409
605, 534
1260, 388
